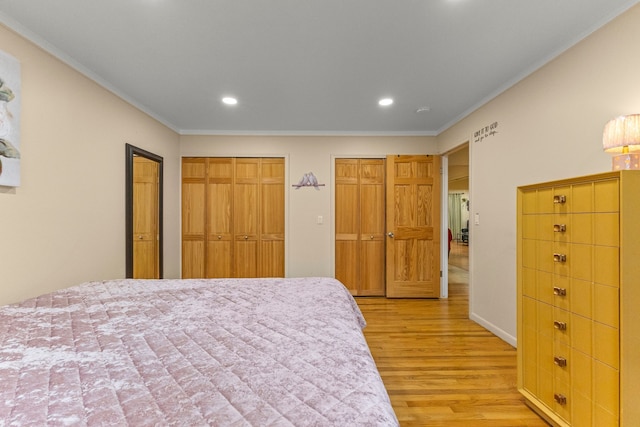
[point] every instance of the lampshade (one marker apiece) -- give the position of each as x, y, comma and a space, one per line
622, 137
622, 134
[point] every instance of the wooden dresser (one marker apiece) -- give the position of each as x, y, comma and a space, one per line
578, 251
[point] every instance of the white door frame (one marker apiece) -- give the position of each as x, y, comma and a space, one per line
444, 226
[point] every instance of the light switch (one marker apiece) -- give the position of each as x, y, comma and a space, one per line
320, 220
477, 218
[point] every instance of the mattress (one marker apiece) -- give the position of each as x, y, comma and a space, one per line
224, 352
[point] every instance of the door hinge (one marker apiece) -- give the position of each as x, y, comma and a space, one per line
440, 273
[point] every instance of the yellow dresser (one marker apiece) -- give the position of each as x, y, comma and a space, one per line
579, 299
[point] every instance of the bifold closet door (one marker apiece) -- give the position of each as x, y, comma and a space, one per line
219, 207
271, 243
360, 222
233, 217
194, 173
258, 213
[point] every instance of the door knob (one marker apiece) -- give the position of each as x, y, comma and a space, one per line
390, 234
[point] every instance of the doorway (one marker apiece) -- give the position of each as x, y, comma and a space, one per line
458, 216
143, 214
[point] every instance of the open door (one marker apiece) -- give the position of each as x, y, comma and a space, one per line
145, 218
413, 226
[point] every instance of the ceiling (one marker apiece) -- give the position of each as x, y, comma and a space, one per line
307, 67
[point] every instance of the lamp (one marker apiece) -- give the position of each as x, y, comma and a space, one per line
622, 137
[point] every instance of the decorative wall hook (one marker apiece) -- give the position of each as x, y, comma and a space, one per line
308, 180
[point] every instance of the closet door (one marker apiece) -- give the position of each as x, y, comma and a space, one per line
372, 225
271, 244
347, 227
194, 171
360, 242
246, 195
232, 217
219, 260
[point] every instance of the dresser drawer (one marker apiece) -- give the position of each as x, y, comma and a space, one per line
606, 309
606, 393
562, 399
581, 298
606, 230
529, 343
530, 282
581, 263
606, 196
558, 228
581, 366
606, 345
561, 292
530, 225
581, 334
562, 326
562, 360
562, 200
561, 258
606, 267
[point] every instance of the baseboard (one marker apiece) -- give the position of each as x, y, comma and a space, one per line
508, 338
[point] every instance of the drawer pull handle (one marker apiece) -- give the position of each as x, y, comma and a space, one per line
561, 292
559, 228
560, 398
562, 326
559, 258
560, 361
559, 199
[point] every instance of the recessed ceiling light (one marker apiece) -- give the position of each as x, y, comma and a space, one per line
385, 102
229, 100
423, 109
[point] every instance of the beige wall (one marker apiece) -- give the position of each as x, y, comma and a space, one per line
65, 224
549, 127
309, 246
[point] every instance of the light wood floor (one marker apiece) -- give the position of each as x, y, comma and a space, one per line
439, 367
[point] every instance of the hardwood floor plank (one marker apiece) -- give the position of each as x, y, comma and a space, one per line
439, 367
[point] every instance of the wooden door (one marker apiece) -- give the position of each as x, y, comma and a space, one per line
219, 208
232, 217
258, 214
194, 233
360, 225
271, 242
346, 223
246, 193
145, 219
413, 226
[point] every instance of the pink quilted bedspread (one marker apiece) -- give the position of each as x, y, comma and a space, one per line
230, 352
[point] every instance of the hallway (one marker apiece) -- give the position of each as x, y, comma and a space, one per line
459, 256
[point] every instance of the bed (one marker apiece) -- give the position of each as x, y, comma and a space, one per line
224, 352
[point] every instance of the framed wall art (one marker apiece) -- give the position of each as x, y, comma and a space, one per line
10, 98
